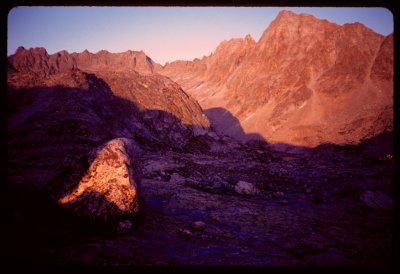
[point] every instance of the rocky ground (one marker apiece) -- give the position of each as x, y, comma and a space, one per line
331, 206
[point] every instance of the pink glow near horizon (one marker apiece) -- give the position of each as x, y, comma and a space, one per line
165, 34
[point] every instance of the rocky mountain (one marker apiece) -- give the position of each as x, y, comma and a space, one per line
305, 82
38, 61
155, 97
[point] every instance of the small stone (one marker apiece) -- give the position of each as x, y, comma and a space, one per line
177, 179
185, 233
322, 197
216, 185
198, 226
191, 182
389, 157
124, 227
279, 194
246, 188
226, 185
268, 196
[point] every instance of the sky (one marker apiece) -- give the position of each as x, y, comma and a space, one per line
165, 34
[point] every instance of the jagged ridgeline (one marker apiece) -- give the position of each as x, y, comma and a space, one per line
306, 82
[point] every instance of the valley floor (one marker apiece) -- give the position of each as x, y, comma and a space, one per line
331, 207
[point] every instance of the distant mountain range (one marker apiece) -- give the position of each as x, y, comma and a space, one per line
305, 82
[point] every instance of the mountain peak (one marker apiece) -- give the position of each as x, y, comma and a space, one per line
236, 43
40, 50
286, 17
248, 38
103, 51
290, 25
286, 13
20, 49
34, 51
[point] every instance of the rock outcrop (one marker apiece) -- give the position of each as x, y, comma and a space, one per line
305, 82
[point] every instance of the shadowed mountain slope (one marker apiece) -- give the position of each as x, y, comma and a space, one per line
122, 77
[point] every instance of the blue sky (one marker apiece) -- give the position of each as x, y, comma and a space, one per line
163, 33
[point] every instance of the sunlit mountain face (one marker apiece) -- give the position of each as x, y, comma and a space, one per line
305, 82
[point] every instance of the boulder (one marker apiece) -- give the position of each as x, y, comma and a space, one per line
185, 233
109, 190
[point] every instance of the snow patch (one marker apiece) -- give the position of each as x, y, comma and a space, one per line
248, 117
199, 86
303, 104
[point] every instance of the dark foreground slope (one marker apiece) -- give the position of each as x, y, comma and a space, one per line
331, 208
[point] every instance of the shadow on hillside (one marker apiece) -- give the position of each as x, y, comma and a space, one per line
51, 130
379, 146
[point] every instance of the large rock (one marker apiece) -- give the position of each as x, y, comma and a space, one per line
110, 188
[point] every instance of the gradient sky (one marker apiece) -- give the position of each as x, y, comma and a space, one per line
163, 33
